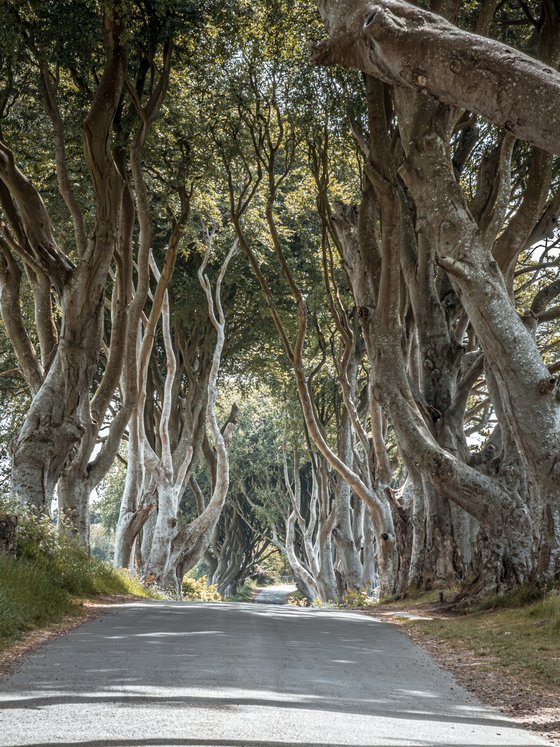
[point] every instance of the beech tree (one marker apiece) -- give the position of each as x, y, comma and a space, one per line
94, 282
162, 454
264, 172
395, 204
431, 243
134, 202
54, 424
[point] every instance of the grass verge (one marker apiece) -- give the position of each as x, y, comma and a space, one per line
50, 578
521, 639
34, 594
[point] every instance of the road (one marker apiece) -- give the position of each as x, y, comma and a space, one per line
235, 675
275, 594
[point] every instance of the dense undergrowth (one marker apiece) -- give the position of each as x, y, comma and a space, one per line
49, 577
198, 589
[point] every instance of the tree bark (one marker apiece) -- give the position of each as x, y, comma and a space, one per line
56, 419
407, 46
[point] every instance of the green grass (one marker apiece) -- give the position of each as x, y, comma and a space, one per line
521, 596
512, 633
37, 592
49, 577
418, 596
28, 598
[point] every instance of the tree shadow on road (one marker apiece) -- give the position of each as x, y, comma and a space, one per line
245, 661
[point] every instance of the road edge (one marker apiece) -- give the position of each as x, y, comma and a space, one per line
87, 610
502, 691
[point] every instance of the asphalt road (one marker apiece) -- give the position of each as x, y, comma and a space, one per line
164, 673
275, 594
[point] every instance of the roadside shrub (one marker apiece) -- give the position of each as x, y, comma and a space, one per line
197, 589
297, 599
356, 599
245, 592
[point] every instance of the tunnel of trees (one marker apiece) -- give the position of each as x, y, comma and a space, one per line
280, 278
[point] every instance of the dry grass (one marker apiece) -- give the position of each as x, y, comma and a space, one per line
523, 641
507, 652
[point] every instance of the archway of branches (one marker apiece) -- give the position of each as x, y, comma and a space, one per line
259, 302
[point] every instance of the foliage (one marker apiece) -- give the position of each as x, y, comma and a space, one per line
240, 79
271, 570
101, 542
356, 599
109, 492
199, 570
197, 589
245, 592
297, 599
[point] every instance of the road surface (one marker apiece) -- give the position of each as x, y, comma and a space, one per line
235, 675
275, 594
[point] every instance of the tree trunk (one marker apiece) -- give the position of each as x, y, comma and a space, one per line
165, 530
73, 507
370, 578
342, 532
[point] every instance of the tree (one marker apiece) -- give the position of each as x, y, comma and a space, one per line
163, 455
431, 243
62, 428
115, 259
400, 300
404, 45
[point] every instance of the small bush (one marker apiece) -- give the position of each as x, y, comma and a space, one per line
197, 589
297, 599
356, 599
245, 592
